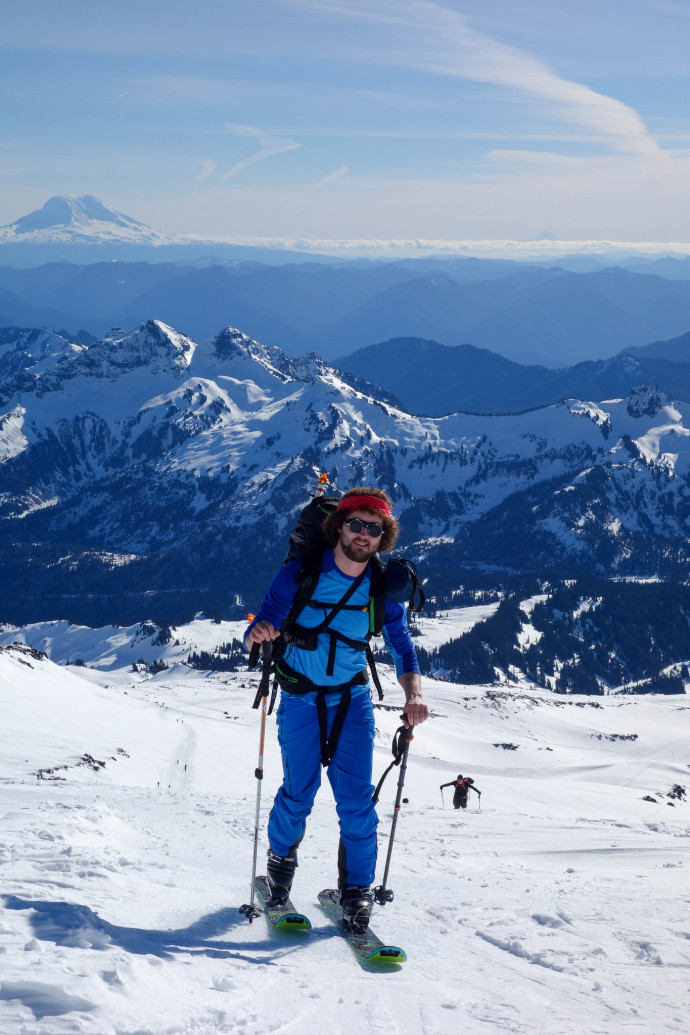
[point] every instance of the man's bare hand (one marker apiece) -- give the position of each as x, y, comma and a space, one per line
415, 709
261, 632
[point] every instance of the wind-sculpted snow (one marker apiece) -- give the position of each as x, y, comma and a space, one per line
147, 443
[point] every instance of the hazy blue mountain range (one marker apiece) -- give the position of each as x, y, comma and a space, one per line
555, 315
433, 379
524, 313
677, 350
548, 316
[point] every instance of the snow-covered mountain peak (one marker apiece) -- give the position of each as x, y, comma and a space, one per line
232, 345
71, 211
26, 356
154, 345
36, 344
78, 218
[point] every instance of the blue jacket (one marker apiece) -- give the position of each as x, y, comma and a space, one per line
349, 662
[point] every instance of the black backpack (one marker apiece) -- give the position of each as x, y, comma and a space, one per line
307, 536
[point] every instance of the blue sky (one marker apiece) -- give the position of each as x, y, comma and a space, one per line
347, 120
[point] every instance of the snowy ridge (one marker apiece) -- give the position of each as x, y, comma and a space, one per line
128, 810
155, 346
148, 441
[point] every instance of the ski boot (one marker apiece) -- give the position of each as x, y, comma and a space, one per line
356, 902
280, 871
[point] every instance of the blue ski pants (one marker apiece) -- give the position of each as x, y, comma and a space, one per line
349, 774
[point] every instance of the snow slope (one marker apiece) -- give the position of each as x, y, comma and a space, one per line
560, 906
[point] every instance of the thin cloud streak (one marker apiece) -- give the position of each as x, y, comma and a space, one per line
342, 171
268, 146
207, 169
442, 42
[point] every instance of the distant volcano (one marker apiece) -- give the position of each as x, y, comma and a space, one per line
71, 228
68, 218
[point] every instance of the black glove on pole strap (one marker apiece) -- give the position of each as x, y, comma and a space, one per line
250, 910
401, 747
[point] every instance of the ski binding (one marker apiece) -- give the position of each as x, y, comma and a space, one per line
365, 943
283, 915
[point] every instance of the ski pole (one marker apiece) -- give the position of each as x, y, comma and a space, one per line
382, 894
250, 910
442, 798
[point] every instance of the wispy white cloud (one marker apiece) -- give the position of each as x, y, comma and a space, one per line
342, 171
268, 146
425, 35
207, 169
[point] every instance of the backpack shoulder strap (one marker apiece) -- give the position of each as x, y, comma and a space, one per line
377, 614
377, 597
307, 579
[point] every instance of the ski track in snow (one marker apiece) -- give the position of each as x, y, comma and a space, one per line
559, 906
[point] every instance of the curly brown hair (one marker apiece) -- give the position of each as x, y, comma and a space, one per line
335, 520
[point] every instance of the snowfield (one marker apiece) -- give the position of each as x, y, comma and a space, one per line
127, 812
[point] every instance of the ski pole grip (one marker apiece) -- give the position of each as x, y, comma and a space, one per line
406, 732
254, 655
267, 659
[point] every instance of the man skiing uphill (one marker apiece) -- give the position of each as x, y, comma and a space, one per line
463, 785
326, 715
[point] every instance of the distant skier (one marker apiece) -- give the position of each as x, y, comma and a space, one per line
463, 785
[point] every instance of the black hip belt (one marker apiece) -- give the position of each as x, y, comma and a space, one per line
297, 683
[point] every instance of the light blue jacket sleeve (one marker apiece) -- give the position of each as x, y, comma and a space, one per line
398, 640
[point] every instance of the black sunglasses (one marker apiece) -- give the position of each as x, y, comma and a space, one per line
373, 528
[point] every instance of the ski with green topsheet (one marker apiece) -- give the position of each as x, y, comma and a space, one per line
365, 943
283, 915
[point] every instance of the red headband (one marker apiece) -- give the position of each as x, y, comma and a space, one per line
364, 503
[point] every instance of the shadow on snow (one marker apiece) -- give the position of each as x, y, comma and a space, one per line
79, 927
